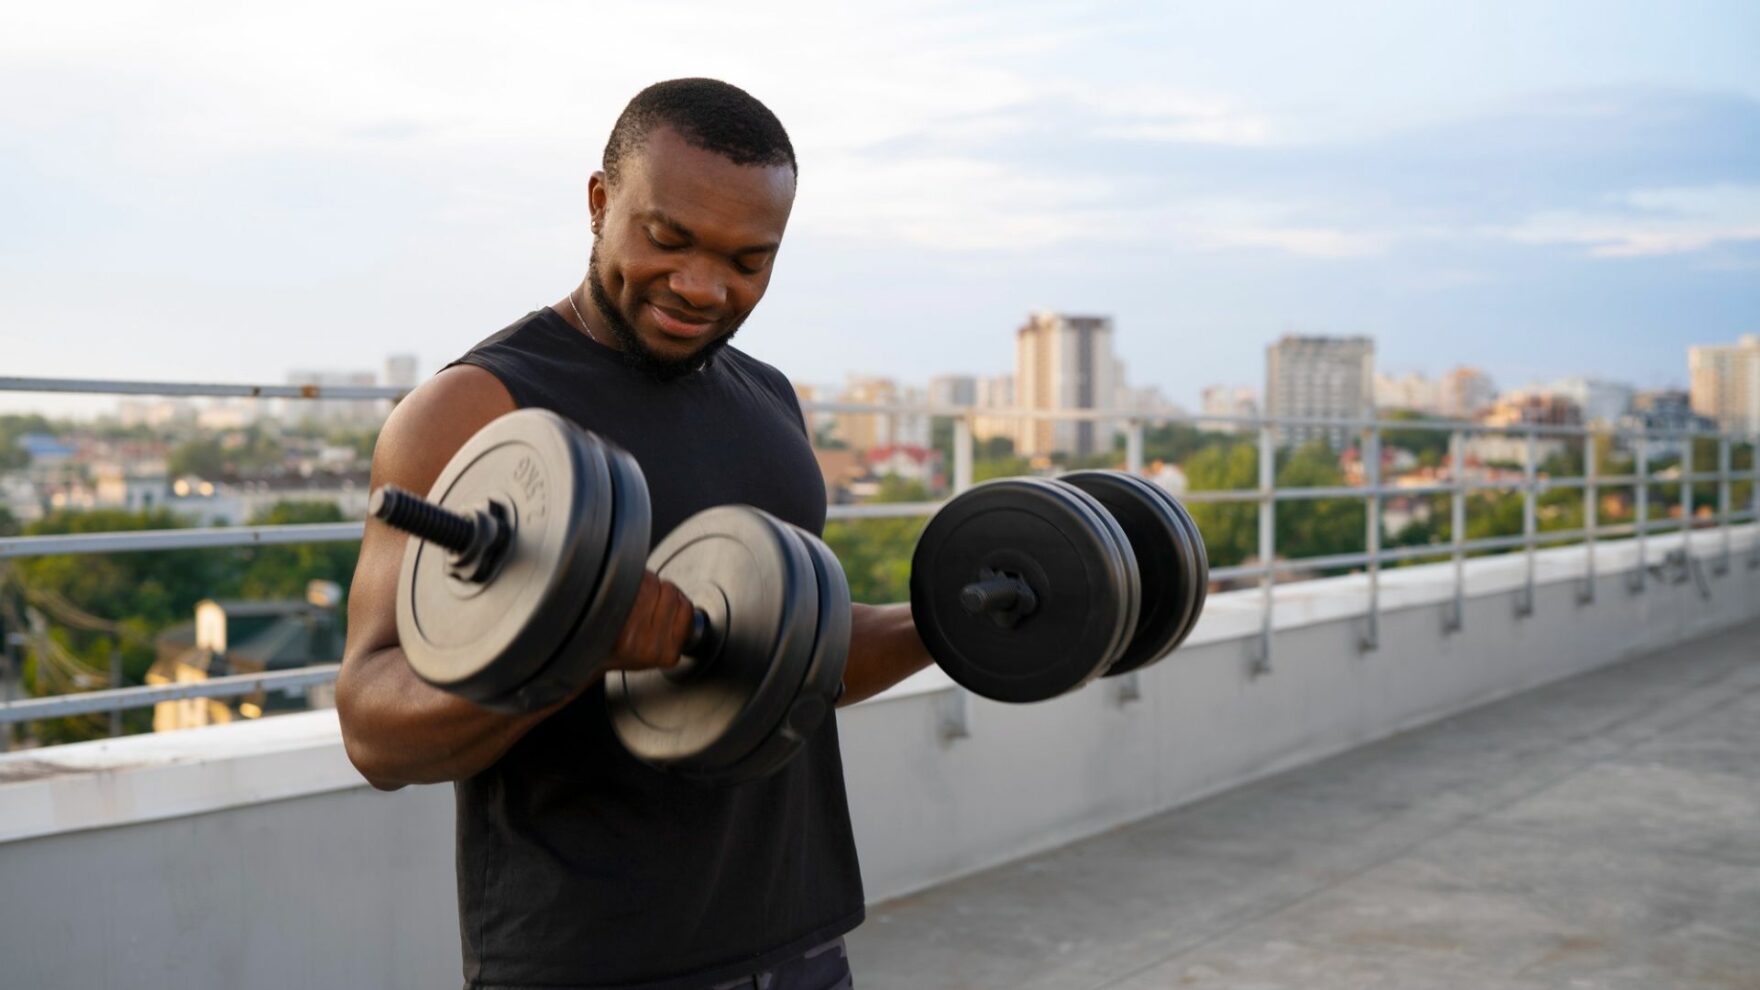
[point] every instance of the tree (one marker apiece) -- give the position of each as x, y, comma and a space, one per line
1174, 442
1305, 528
1317, 527
202, 458
103, 602
1429, 446
876, 553
13, 426
97, 603
283, 570
1230, 529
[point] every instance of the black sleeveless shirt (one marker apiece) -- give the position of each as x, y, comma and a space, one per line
579, 866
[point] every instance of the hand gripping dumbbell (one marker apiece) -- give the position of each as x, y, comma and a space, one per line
526, 556
1025, 588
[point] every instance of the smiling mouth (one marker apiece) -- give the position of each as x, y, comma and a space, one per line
675, 324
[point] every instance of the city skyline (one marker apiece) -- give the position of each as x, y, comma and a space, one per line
211, 194
406, 369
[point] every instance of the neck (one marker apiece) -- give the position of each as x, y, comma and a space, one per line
576, 309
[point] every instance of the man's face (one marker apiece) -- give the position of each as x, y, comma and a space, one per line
685, 248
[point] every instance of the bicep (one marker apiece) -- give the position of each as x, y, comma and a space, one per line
417, 441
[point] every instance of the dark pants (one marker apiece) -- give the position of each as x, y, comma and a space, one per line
823, 968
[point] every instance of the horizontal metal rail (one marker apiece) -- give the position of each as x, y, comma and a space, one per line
122, 699
137, 541
101, 386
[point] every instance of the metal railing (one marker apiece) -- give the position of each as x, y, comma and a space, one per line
1266, 496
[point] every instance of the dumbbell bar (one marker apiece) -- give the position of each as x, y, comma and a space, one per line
1026, 588
527, 555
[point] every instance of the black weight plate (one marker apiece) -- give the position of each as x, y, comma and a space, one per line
817, 694
600, 616
746, 570
1129, 577
483, 640
1047, 535
1167, 565
1201, 586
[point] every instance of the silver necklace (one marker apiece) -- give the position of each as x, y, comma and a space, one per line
577, 315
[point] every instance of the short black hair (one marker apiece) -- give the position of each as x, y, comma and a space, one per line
709, 114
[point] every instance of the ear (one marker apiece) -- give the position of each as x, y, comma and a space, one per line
598, 199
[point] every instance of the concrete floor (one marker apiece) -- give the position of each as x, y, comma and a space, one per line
1600, 832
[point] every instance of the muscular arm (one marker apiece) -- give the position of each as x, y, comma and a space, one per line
396, 727
883, 649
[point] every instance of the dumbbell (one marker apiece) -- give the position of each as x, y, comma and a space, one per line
525, 558
1026, 588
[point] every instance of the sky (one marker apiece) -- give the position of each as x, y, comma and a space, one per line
228, 191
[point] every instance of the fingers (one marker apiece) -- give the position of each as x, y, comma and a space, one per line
654, 633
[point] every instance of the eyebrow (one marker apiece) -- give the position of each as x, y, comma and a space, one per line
659, 217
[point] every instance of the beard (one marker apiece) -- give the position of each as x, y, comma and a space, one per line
635, 352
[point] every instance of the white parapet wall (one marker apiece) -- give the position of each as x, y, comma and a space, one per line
251, 855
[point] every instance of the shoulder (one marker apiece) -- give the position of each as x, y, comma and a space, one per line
768, 376
432, 422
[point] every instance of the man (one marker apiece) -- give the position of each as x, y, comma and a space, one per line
578, 865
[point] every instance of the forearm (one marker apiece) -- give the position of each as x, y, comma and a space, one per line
400, 730
884, 648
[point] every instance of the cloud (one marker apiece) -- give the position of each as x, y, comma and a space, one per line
1652, 222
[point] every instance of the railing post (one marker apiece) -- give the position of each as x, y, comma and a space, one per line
1723, 503
1686, 471
115, 682
1591, 514
1530, 526
1754, 501
1372, 535
1457, 528
962, 453
1133, 446
1267, 544
955, 715
1641, 510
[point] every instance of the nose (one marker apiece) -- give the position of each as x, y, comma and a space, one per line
699, 286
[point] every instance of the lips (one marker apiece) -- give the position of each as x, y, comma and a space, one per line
672, 323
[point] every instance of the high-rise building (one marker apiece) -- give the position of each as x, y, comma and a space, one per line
1465, 392
994, 393
818, 423
1235, 401
1664, 410
1320, 378
1600, 401
1064, 362
953, 390
1409, 391
868, 430
400, 371
350, 411
1534, 407
1726, 383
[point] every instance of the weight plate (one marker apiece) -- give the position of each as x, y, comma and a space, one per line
1044, 534
1129, 576
754, 579
1201, 585
600, 616
817, 693
1168, 567
483, 640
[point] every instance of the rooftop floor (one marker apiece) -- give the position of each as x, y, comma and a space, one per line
1600, 832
